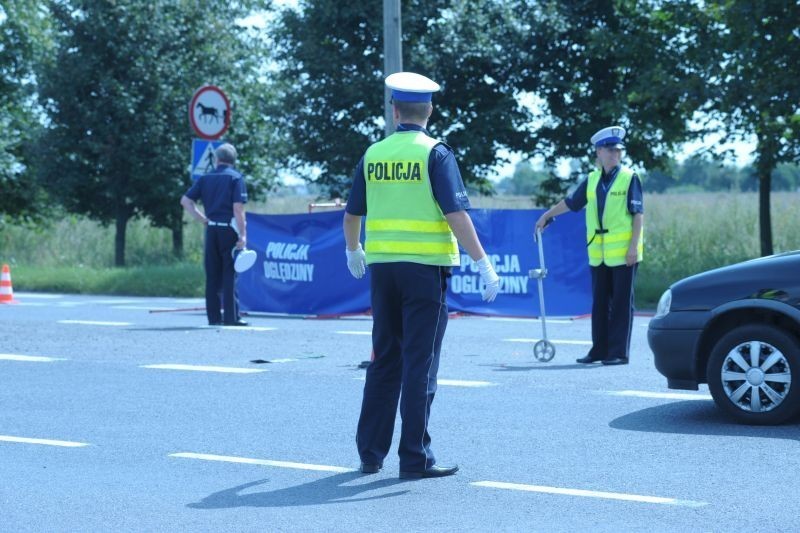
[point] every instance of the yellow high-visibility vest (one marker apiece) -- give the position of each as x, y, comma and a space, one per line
608, 240
404, 222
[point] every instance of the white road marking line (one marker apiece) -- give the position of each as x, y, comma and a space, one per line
510, 319
284, 360
47, 442
660, 395
554, 341
589, 493
32, 304
29, 358
354, 332
264, 462
464, 383
453, 382
242, 328
202, 368
95, 323
140, 308
40, 296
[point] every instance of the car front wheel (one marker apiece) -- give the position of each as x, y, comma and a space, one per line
754, 374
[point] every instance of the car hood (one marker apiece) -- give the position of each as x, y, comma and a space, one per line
776, 277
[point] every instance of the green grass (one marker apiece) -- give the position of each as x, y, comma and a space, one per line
684, 234
178, 279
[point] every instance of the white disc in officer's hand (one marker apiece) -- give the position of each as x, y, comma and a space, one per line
243, 260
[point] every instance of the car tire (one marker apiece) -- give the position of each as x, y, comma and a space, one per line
775, 380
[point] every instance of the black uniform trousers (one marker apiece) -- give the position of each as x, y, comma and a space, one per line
612, 310
409, 312
220, 275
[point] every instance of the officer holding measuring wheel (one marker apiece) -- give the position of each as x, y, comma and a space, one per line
410, 189
613, 198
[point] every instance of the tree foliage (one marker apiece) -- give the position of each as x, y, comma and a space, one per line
116, 96
754, 50
595, 63
24, 37
330, 55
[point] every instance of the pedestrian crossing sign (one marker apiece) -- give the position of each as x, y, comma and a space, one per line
203, 157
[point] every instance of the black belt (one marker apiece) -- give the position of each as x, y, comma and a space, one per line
596, 233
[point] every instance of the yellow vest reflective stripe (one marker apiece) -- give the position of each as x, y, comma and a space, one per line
404, 222
608, 242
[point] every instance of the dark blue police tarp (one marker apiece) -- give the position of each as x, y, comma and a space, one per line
301, 266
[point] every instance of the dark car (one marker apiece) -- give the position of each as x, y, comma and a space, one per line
736, 328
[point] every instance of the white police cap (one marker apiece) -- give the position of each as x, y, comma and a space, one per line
609, 137
411, 87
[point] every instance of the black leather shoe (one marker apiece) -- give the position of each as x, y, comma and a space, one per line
367, 468
615, 361
586, 360
239, 322
434, 471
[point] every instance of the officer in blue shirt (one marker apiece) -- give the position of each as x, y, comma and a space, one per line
223, 194
408, 275
612, 286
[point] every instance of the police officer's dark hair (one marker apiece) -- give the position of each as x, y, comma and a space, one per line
226, 153
416, 111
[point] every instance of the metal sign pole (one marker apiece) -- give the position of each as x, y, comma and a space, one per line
392, 55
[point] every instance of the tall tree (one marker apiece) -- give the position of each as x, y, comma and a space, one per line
330, 55
24, 37
116, 95
592, 63
754, 50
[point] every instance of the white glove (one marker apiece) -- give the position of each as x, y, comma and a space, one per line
357, 262
490, 279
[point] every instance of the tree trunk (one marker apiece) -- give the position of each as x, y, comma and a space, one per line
764, 166
764, 214
177, 239
119, 239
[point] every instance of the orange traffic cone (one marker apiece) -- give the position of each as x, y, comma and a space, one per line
6, 292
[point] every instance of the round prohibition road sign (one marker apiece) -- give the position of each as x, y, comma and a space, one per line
209, 112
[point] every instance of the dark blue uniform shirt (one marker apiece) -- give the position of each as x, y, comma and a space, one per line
448, 187
219, 190
577, 200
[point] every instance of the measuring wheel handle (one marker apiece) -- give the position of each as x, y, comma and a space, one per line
544, 351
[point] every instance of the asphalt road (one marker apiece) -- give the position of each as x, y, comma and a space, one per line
113, 418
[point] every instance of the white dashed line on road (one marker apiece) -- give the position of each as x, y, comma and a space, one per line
659, 395
536, 320
46, 442
454, 382
589, 493
29, 358
140, 308
241, 328
554, 341
464, 383
263, 462
201, 368
95, 323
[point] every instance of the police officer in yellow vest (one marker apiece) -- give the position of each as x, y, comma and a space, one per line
612, 195
410, 189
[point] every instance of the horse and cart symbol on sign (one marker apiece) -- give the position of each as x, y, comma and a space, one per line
209, 112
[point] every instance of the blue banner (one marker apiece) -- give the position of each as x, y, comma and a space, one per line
301, 266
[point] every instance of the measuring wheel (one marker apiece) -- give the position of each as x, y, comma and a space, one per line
544, 351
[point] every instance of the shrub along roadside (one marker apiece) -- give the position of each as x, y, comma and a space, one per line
179, 279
